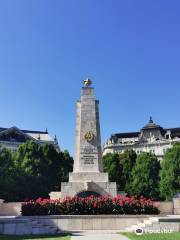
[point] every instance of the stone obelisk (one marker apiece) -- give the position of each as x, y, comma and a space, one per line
88, 177
88, 155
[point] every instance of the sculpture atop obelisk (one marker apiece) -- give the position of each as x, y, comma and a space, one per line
88, 176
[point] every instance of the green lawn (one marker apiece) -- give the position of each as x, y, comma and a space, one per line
38, 237
153, 236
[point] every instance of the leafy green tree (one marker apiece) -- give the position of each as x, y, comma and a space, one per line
51, 167
145, 177
41, 169
6, 173
119, 167
127, 160
29, 158
30, 162
66, 166
112, 166
170, 173
33, 171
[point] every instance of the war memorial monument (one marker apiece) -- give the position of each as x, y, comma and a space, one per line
87, 177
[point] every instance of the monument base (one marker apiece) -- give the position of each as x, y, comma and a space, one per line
55, 195
88, 176
96, 188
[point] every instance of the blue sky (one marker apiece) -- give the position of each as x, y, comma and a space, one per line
130, 49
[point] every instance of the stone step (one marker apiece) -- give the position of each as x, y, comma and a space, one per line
146, 223
39, 227
43, 230
158, 224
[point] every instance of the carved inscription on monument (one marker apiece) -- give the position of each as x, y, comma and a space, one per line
89, 155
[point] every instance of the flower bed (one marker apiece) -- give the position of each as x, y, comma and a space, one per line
89, 206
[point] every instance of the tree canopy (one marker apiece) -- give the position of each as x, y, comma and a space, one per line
33, 171
6, 173
145, 176
119, 167
170, 173
112, 166
127, 161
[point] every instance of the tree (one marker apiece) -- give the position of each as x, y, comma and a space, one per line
170, 173
40, 170
119, 167
30, 163
6, 173
66, 167
112, 166
127, 160
145, 176
33, 171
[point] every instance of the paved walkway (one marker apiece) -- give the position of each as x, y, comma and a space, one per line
97, 235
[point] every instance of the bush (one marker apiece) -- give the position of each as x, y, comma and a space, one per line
89, 206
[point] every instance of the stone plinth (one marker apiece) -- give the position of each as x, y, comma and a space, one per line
101, 188
87, 177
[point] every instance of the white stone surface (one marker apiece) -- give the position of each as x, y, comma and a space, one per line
41, 136
74, 188
88, 176
55, 195
176, 202
88, 155
10, 209
165, 207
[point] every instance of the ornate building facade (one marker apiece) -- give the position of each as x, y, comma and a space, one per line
151, 138
12, 137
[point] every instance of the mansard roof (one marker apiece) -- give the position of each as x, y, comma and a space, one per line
26, 131
14, 133
175, 132
2, 129
125, 135
29, 134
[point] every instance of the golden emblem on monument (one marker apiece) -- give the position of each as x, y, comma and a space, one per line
87, 82
89, 136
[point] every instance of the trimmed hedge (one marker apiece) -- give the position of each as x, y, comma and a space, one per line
89, 206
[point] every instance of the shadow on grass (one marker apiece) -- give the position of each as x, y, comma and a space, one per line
63, 236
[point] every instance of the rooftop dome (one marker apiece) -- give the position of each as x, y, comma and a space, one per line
151, 124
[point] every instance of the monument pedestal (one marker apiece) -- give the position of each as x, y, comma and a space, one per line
88, 177
88, 188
